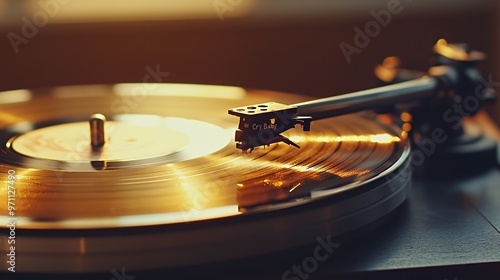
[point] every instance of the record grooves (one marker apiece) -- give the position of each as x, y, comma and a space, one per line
170, 184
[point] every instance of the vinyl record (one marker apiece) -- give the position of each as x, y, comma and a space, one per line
168, 188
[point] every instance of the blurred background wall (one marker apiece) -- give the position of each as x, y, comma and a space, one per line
286, 45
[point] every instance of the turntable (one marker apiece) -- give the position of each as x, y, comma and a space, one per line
145, 180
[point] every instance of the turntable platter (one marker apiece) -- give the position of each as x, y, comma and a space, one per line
170, 174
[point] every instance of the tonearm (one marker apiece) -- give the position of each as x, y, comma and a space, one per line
452, 83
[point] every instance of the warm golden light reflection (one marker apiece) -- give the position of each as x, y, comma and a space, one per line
190, 190
373, 138
296, 138
184, 90
442, 48
313, 172
298, 168
214, 137
384, 74
273, 183
11, 118
391, 61
192, 194
404, 135
15, 96
135, 10
406, 127
294, 187
441, 42
406, 117
351, 173
196, 203
387, 71
456, 53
